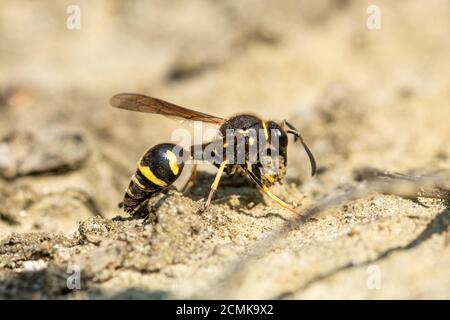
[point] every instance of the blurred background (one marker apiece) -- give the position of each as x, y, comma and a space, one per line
360, 96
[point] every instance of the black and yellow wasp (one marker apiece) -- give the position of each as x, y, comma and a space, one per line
162, 164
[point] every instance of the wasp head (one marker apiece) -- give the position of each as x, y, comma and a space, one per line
273, 158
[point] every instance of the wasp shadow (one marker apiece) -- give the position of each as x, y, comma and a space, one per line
234, 185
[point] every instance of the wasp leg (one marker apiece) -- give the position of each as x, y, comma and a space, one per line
266, 190
192, 178
214, 185
139, 207
277, 200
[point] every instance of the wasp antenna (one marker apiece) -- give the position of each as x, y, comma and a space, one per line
312, 160
290, 126
293, 129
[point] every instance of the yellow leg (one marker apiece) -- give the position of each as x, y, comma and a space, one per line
192, 178
277, 200
267, 191
215, 184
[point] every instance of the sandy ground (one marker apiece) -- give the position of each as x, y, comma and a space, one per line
361, 98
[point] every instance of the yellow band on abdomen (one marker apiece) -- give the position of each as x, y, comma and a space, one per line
151, 176
136, 181
173, 162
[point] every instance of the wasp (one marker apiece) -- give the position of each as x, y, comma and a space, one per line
161, 165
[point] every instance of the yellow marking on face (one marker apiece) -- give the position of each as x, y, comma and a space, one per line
136, 181
150, 176
270, 178
173, 162
225, 145
266, 131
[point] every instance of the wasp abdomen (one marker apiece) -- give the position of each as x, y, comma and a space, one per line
158, 168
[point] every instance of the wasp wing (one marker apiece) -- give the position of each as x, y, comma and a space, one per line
142, 103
